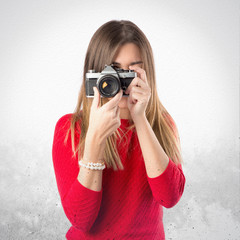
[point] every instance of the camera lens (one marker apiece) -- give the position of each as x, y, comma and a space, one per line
109, 86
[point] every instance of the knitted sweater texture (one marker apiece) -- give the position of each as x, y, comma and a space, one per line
129, 205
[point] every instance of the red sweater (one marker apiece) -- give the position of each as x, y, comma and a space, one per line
129, 205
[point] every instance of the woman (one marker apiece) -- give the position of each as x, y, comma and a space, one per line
133, 139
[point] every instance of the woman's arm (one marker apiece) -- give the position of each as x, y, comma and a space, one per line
165, 178
93, 152
81, 200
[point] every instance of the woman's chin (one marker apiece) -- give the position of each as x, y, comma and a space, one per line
122, 106
123, 103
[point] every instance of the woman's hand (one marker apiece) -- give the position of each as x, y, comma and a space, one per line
139, 94
104, 120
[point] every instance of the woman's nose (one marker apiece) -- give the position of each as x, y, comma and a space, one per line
126, 68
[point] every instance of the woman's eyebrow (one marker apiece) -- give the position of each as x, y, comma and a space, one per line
132, 63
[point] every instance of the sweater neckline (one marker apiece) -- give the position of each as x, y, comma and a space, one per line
125, 121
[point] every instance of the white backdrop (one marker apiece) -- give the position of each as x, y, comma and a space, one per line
196, 51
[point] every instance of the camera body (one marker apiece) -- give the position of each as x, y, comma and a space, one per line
109, 81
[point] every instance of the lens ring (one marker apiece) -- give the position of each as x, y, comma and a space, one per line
108, 85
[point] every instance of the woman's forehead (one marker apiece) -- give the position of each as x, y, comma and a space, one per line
128, 53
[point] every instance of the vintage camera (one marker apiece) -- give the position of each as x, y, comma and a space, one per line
109, 81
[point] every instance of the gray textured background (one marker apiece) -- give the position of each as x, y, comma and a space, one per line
196, 51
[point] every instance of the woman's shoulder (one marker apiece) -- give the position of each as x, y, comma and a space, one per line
64, 120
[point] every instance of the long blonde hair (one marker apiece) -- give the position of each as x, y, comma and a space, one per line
102, 49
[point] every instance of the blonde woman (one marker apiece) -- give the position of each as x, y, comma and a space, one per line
121, 163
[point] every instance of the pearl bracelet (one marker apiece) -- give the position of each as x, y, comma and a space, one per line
91, 165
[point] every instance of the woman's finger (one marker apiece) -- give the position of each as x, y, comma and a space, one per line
118, 112
140, 72
138, 97
114, 101
136, 82
138, 90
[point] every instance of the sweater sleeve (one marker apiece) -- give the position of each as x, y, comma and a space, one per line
168, 187
80, 204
